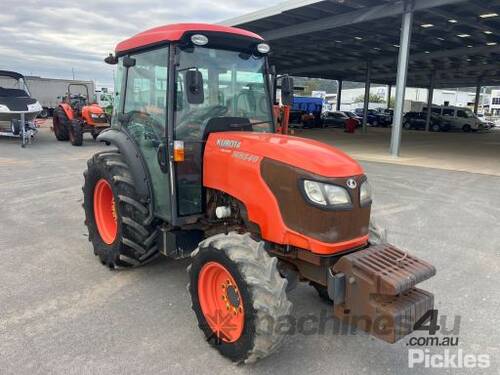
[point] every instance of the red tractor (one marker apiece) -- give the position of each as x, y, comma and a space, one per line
197, 171
76, 115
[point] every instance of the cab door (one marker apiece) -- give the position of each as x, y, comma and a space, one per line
144, 117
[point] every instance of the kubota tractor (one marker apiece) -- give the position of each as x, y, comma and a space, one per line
198, 171
76, 115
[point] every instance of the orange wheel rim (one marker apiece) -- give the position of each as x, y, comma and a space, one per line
221, 302
105, 211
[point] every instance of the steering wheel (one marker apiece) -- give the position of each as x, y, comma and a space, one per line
153, 129
190, 126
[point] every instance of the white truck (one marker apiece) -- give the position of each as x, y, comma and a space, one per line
49, 91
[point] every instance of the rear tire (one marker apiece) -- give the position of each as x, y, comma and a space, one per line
261, 295
76, 133
135, 242
59, 123
436, 128
407, 126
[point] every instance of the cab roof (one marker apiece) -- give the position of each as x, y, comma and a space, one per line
174, 32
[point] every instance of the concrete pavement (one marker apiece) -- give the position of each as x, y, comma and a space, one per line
62, 312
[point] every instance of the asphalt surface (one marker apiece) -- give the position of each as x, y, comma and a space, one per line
62, 312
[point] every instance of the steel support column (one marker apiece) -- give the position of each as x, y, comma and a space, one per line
403, 58
389, 89
478, 96
366, 100
430, 96
339, 94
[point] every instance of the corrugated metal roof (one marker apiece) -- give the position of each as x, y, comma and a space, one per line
336, 39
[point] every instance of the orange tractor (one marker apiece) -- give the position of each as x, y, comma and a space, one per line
76, 115
198, 171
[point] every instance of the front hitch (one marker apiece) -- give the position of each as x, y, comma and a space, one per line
374, 289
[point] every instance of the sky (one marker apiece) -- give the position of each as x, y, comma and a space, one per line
54, 38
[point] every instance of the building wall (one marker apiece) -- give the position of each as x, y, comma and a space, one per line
441, 97
495, 102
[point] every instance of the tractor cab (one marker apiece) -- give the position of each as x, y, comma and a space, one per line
172, 94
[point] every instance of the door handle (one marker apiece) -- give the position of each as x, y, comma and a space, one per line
162, 155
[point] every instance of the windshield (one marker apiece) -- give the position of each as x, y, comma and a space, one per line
234, 86
10, 86
469, 113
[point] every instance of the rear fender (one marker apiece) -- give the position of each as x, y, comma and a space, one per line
133, 158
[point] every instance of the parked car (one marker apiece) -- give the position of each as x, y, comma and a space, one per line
487, 123
374, 117
353, 115
417, 120
336, 119
459, 118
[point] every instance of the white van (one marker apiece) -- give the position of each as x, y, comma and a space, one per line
459, 118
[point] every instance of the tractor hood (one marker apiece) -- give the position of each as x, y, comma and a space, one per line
306, 154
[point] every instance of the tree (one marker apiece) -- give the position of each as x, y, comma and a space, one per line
373, 98
310, 86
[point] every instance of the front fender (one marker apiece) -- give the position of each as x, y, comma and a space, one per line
68, 111
133, 159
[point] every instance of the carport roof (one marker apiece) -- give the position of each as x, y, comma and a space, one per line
456, 40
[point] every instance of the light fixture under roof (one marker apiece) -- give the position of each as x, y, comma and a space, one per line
338, 41
491, 43
358, 38
488, 15
469, 46
426, 25
376, 48
452, 21
463, 35
396, 45
488, 32
427, 51
439, 38
199, 39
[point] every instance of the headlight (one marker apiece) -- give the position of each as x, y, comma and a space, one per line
4, 108
326, 194
365, 193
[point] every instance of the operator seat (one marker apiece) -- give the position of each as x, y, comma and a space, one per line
225, 124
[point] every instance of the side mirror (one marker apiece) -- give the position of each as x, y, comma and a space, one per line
287, 90
111, 59
194, 87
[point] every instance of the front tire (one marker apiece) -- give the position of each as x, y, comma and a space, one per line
76, 133
59, 123
249, 302
467, 128
121, 229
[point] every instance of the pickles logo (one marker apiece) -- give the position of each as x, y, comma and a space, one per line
228, 143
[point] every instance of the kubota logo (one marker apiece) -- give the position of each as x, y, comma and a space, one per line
351, 183
228, 143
